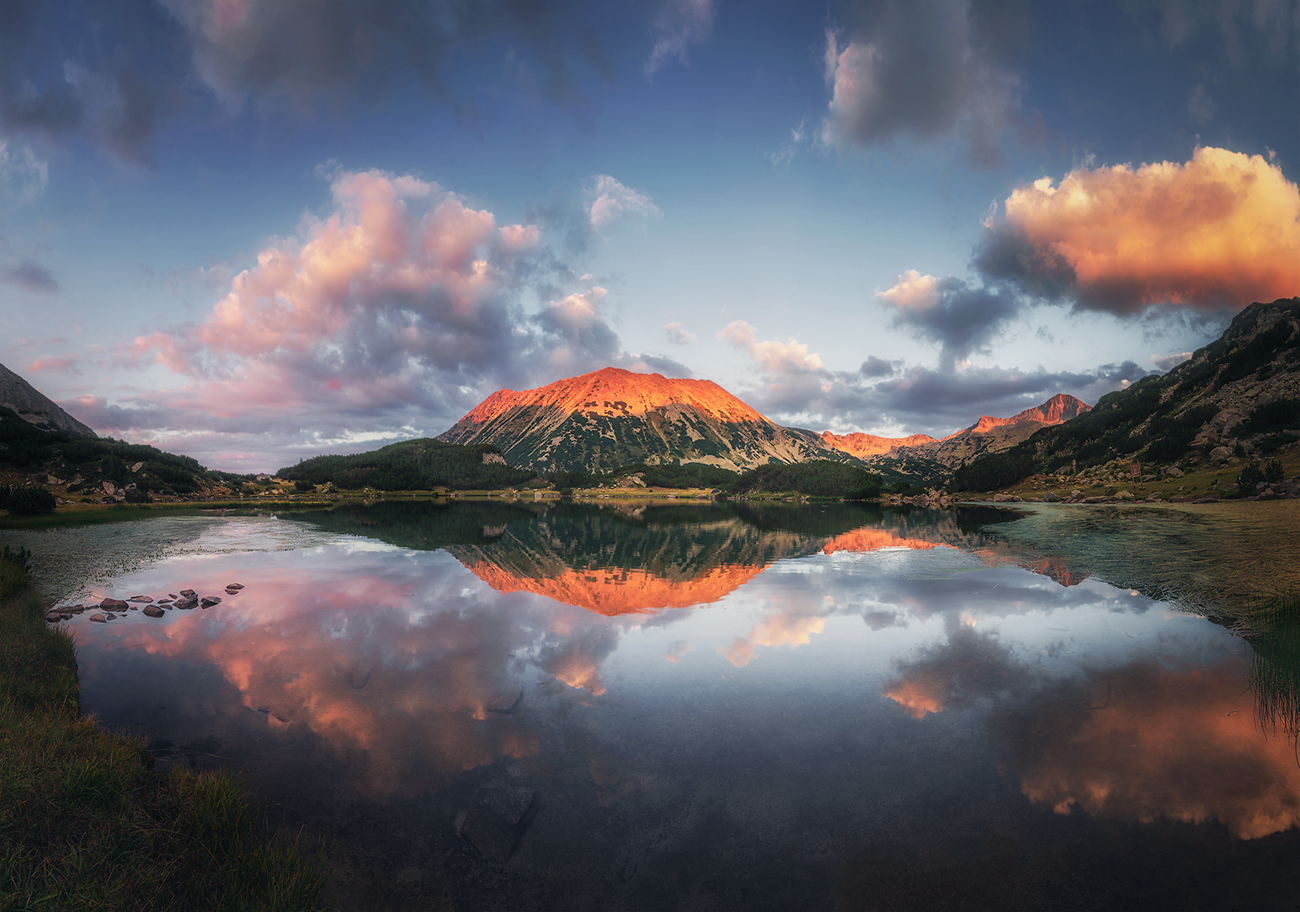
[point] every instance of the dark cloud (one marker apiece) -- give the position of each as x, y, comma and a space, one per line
935, 71
878, 367
923, 399
30, 276
961, 317
308, 52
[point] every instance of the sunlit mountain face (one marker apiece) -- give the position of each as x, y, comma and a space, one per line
614, 417
838, 699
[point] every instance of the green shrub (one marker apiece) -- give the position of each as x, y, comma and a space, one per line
28, 501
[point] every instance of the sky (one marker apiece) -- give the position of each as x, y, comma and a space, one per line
256, 232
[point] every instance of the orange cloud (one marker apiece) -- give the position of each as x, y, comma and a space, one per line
1220, 230
1161, 744
791, 357
784, 627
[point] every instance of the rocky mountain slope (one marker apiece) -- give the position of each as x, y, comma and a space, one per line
993, 435
30, 405
614, 417
1234, 400
864, 446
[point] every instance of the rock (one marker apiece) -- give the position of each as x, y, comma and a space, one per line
498, 815
1095, 500
109, 488
99, 618
1050, 497
54, 616
113, 604
1174, 471
140, 598
1213, 498
185, 604
235, 586
153, 611
1218, 454
1154, 497
1124, 495
137, 467
1180, 498
209, 600
507, 701
166, 601
188, 593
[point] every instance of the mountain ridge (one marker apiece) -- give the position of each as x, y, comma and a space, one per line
31, 405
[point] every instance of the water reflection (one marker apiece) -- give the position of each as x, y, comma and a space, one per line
722, 707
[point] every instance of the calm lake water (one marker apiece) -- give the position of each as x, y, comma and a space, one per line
721, 706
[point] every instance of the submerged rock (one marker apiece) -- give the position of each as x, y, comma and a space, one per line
507, 701
499, 813
113, 604
153, 611
140, 598
209, 600
99, 618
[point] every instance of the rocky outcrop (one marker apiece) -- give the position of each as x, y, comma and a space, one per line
33, 407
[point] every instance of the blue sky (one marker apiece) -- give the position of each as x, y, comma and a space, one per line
255, 232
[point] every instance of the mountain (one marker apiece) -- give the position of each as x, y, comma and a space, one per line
30, 405
614, 417
866, 445
1235, 398
987, 435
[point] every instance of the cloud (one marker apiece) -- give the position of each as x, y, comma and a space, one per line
968, 668
919, 73
677, 335
30, 276
1201, 105
678, 25
878, 367
790, 357
306, 53
1220, 231
961, 317
611, 202
388, 317
1168, 362
23, 175
922, 399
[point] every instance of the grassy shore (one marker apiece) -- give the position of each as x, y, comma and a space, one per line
85, 823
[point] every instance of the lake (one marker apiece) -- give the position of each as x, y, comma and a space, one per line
725, 706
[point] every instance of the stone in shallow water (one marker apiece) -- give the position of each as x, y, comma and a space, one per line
498, 816
153, 611
99, 618
184, 604
235, 586
113, 604
53, 617
507, 701
188, 593
209, 600
139, 598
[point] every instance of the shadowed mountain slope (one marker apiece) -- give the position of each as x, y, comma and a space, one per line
33, 407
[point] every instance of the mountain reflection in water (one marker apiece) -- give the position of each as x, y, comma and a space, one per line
867, 709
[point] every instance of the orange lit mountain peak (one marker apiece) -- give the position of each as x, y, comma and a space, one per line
615, 417
614, 391
862, 445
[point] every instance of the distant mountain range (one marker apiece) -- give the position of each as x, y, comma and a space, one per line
614, 417
34, 408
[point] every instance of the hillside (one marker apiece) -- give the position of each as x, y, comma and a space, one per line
412, 465
614, 417
25, 401
1234, 400
866, 445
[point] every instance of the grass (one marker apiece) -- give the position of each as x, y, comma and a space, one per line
1274, 635
84, 821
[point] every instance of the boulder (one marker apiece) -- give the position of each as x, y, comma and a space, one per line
99, 618
113, 604
153, 611
235, 586
1050, 497
185, 604
1174, 471
498, 815
507, 701
140, 598
54, 616
109, 488
1218, 454
188, 593
209, 600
